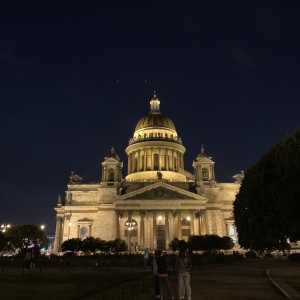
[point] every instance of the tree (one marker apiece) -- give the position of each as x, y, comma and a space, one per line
266, 209
226, 243
196, 242
119, 245
174, 244
73, 245
88, 245
2, 240
20, 236
212, 243
182, 245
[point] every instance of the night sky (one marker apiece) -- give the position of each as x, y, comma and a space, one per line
76, 77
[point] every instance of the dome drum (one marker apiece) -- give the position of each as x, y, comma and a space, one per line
152, 176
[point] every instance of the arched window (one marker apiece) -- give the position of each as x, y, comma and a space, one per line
83, 233
175, 164
205, 174
135, 164
143, 164
111, 175
156, 161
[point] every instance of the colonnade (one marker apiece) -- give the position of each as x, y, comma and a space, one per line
143, 160
150, 220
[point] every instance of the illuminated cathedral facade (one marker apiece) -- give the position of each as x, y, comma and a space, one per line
156, 202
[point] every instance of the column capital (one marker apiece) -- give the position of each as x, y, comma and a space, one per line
142, 213
59, 218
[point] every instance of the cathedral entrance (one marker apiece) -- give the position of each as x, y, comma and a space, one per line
161, 237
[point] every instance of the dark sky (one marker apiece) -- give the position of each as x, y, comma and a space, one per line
76, 76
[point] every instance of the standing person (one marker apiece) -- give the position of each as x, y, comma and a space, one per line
146, 257
155, 276
28, 259
162, 273
183, 270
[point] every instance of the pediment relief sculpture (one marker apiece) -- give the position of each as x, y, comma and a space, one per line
160, 193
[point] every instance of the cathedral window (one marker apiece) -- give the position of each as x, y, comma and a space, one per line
156, 161
185, 224
143, 164
83, 233
205, 174
111, 175
170, 163
163, 162
135, 164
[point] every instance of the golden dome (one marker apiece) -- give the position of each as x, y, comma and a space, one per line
155, 118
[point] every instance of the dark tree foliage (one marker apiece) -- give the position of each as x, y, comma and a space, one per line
91, 245
119, 245
226, 243
196, 242
266, 209
183, 245
2, 240
174, 244
73, 245
20, 236
209, 243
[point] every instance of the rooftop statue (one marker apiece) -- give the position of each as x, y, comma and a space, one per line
159, 175
74, 178
239, 177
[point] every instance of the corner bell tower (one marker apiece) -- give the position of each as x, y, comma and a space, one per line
204, 169
112, 167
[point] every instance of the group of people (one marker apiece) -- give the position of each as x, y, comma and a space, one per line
160, 273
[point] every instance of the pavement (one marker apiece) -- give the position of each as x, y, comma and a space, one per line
258, 279
278, 276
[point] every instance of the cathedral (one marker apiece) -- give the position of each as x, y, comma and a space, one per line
157, 201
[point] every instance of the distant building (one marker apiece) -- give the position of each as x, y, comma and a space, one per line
157, 201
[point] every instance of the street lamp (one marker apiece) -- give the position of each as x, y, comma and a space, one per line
130, 229
4, 227
42, 227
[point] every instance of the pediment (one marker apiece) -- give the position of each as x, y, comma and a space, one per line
205, 160
161, 191
111, 160
84, 220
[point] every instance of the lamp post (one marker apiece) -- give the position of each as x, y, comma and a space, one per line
130, 229
4, 227
42, 227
